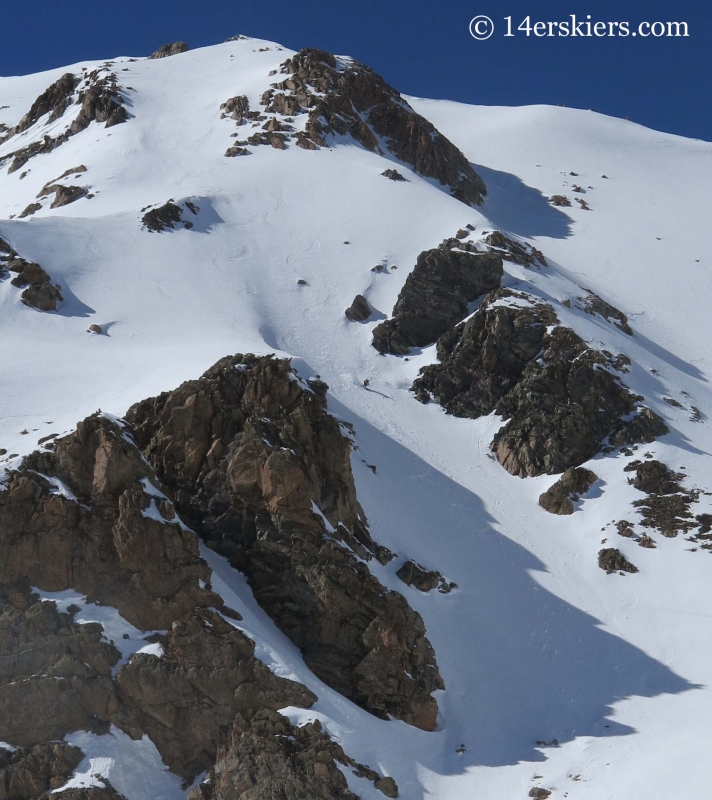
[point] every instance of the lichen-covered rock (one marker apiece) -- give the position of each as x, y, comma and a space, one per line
359, 310
435, 296
262, 471
558, 499
612, 560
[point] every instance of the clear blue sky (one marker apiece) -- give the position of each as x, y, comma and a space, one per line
421, 48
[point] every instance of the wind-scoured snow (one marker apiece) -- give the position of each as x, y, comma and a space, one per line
538, 645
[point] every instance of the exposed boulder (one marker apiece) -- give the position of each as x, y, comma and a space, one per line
436, 294
29, 210
262, 471
393, 175
560, 498
236, 108
561, 402
347, 98
170, 50
412, 574
612, 560
359, 310
560, 200
64, 195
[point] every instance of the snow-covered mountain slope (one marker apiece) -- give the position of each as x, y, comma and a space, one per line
557, 674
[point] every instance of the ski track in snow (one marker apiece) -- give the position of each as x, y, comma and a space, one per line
538, 643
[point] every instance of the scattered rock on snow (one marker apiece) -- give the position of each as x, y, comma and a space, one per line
560, 200
393, 175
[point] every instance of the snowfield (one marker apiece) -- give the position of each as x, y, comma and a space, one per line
557, 675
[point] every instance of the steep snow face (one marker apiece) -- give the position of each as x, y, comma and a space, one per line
557, 675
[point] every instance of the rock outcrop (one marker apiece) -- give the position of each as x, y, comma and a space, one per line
101, 101
39, 292
261, 471
90, 516
436, 294
612, 560
170, 50
168, 216
561, 400
593, 304
560, 498
345, 98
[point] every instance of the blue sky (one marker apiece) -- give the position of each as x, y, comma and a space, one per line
421, 48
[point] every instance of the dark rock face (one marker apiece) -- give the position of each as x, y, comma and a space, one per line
435, 296
102, 545
667, 507
53, 101
412, 574
612, 560
269, 758
359, 310
38, 291
170, 50
261, 470
348, 99
558, 499
560, 401
31, 774
188, 699
56, 676
481, 360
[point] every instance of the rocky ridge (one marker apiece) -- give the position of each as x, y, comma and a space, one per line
342, 97
100, 99
261, 471
88, 515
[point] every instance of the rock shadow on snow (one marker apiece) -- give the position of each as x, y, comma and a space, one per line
532, 667
523, 210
